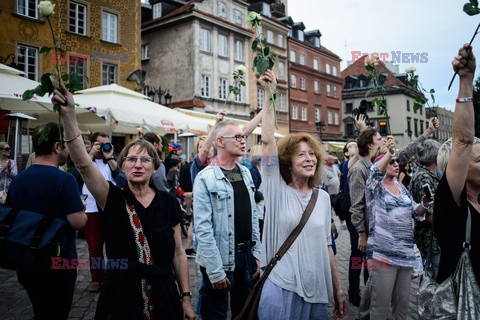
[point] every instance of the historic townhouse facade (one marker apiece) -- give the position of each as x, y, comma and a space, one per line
406, 124
101, 37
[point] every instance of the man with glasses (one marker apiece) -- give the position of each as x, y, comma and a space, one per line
102, 155
226, 226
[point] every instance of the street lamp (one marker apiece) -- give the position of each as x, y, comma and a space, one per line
151, 92
321, 126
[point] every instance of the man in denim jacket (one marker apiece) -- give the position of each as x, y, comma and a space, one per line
226, 226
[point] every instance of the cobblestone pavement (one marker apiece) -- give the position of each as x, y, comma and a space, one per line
14, 303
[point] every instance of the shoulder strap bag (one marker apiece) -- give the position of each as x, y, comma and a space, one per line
249, 311
457, 297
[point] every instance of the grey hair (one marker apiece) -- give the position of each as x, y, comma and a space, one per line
427, 152
444, 153
3, 144
221, 127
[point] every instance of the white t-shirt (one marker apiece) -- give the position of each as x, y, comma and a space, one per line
331, 180
107, 174
305, 267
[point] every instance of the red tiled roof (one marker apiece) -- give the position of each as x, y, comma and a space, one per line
188, 104
358, 67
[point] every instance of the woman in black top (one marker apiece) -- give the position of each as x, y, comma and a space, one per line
459, 188
142, 232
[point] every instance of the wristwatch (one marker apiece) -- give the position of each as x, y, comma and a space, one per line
186, 294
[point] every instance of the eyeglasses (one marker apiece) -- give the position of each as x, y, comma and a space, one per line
6, 149
392, 161
133, 160
237, 137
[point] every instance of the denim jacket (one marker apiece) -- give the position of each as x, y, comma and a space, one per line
213, 205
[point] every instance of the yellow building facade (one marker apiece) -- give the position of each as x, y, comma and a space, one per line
101, 38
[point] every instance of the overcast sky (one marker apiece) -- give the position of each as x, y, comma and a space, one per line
437, 28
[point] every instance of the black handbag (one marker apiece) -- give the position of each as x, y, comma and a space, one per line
249, 311
29, 240
457, 297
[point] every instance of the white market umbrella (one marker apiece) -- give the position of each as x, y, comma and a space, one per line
126, 109
12, 86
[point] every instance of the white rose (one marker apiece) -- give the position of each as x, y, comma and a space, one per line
45, 8
410, 70
241, 69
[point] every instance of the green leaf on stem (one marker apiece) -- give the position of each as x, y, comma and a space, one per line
28, 94
418, 99
369, 67
266, 51
474, 2
243, 83
47, 83
271, 63
262, 65
39, 91
255, 45
255, 61
45, 49
471, 10
416, 106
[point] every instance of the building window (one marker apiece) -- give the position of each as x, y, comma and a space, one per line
316, 86
27, 8
281, 71
222, 45
109, 74
409, 126
421, 110
205, 86
157, 10
335, 91
348, 107
330, 117
77, 18
408, 105
27, 58
294, 113
222, 9
270, 36
304, 113
292, 56
300, 35
415, 123
239, 96
317, 115
238, 17
302, 59
145, 54
109, 27
260, 98
327, 68
336, 118
293, 80
335, 71
239, 50
205, 41
315, 64
280, 40
266, 10
421, 125
223, 88
78, 65
283, 102
317, 42
302, 83
349, 129
329, 92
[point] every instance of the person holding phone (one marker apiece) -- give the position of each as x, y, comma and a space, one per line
425, 179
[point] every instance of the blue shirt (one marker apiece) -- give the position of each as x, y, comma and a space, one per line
46, 189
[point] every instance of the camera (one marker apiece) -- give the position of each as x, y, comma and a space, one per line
361, 109
106, 146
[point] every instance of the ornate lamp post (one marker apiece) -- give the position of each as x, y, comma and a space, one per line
321, 126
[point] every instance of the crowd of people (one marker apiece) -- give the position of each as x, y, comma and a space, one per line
243, 211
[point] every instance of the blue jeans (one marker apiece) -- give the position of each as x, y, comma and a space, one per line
354, 274
215, 301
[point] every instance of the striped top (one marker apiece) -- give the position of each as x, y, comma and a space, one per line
390, 222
